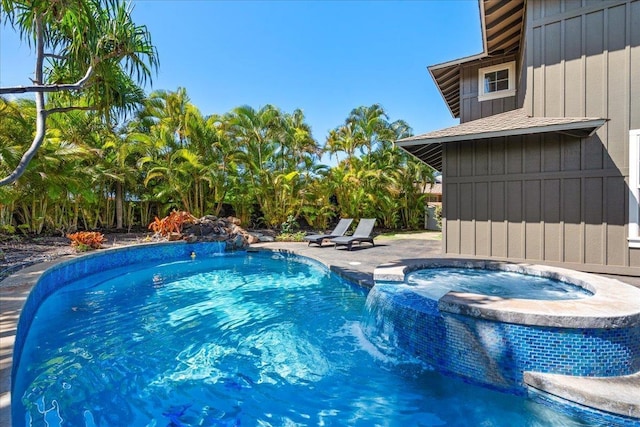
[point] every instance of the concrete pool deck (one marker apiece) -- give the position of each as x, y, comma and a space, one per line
617, 395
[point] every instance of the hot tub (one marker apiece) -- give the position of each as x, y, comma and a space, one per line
494, 340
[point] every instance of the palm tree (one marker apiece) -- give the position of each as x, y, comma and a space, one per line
17, 125
170, 172
169, 110
297, 141
255, 133
57, 177
221, 155
191, 153
401, 184
343, 139
104, 61
318, 207
372, 126
121, 150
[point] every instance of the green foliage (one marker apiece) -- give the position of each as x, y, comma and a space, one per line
89, 56
291, 237
439, 215
290, 225
263, 163
7, 229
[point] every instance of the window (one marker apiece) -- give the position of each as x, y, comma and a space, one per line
497, 81
634, 188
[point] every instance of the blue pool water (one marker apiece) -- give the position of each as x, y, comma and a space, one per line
255, 339
435, 282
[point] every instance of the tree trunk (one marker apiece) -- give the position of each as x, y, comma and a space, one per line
41, 114
119, 206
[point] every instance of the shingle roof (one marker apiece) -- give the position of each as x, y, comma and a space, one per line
427, 147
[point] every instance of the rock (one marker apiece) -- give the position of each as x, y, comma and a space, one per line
267, 238
194, 229
210, 228
174, 236
252, 238
234, 220
237, 242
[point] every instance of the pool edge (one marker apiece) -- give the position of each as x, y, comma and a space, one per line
613, 395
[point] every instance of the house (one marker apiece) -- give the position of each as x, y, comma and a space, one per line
543, 167
434, 193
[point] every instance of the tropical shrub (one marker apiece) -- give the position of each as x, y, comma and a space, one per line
291, 237
172, 223
290, 225
85, 240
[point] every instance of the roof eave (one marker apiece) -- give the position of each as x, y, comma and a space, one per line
458, 61
449, 64
453, 105
591, 125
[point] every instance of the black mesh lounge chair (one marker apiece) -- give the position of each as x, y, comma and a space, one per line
341, 228
363, 233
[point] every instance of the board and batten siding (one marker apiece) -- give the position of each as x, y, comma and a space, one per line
551, 198
583, 59
528, 198
470, 108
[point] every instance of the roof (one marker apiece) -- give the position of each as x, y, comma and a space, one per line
434, 189
428, 147
501, 26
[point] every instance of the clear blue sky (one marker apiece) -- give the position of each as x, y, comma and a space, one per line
324, 57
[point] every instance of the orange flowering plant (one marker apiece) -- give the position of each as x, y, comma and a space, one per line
85, 240
172, 223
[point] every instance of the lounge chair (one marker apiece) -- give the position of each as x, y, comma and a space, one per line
363, 233
341, 228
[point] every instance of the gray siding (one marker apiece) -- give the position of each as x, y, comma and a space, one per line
584, 60
531, 198
470, 108
553, 198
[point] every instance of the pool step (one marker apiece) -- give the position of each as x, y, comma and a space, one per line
616, 395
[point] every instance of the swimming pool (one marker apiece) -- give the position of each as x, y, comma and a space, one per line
244, 339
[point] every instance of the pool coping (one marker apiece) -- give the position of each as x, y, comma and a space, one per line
614, 304
591, 392
615, 395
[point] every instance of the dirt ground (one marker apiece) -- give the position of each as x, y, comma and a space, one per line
17, 253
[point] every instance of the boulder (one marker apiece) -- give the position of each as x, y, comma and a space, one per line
234, 220
210, 228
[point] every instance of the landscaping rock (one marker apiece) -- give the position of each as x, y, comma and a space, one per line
210, 228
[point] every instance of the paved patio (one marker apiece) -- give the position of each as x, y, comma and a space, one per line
357, 265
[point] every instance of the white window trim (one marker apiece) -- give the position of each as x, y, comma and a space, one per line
634, 188
511, 68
